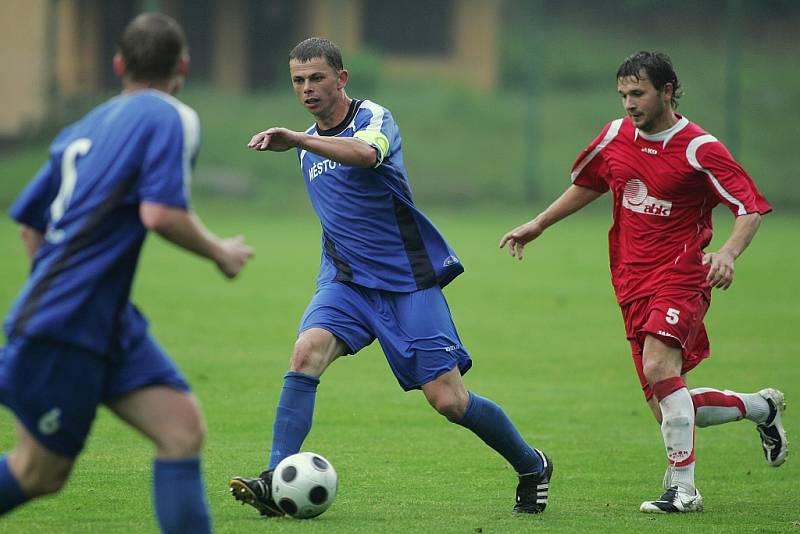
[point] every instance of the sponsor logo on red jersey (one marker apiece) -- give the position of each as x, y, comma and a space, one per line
636, 199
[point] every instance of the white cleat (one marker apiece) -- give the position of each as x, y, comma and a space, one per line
675, 500
773, 436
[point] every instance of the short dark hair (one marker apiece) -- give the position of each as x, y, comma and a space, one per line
315, 47
152, 45
658, 68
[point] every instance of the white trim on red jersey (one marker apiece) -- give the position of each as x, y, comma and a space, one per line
612, 132
691, 156
665, 135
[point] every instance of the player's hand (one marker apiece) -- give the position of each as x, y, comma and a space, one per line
720, 270
235, 254
274, 139
520, 236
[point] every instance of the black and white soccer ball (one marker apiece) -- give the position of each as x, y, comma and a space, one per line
304, 485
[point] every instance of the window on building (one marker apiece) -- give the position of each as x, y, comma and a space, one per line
113, 19
419, 27
272, 33
195, 17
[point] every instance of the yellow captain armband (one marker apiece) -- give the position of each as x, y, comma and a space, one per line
375, 139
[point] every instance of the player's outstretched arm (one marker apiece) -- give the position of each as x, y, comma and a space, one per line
187, 231
345, 150
573, 199
275, 140
720, 270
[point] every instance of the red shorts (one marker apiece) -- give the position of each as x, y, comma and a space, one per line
674, 316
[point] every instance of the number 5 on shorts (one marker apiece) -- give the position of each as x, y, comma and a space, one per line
672, 316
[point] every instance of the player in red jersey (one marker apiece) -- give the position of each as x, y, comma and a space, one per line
666, 174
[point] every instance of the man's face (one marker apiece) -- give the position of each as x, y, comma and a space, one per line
317, 85
647, 107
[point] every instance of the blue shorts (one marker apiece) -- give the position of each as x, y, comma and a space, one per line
54, 389
415, 330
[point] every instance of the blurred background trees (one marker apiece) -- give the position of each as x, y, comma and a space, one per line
495, 98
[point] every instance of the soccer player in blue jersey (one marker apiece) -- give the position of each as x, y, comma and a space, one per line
383, 268
74, 338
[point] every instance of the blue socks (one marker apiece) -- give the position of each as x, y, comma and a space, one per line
492, 425
293, 416
483, 417
179, 496
11, 494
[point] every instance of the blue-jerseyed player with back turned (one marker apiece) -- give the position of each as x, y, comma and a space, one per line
383, 268
74, 338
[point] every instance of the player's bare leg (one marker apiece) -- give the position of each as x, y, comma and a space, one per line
448, 395
38, 470
662, 368
172, 420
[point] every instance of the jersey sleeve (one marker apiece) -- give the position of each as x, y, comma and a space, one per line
727, 179
169, 158
375, 126
590, 168
31, 207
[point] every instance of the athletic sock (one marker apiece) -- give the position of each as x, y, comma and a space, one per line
492, 425
179, 496
715, 407
11, 494
293, 415
684, 477
677, 428
756, 407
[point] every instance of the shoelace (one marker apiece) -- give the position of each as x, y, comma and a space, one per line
670, 495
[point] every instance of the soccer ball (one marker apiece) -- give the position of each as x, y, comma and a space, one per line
304, 485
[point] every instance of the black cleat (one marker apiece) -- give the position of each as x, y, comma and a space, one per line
256, 492
532, 489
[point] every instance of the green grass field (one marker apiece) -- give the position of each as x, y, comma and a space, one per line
548, 344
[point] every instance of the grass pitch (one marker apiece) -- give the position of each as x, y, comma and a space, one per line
548, 344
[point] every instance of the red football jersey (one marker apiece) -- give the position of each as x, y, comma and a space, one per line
664, 187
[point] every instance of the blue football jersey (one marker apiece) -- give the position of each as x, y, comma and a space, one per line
85, 201
372, 233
